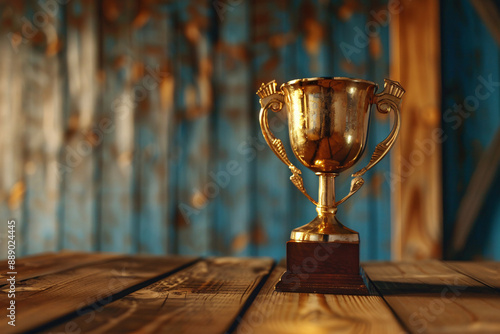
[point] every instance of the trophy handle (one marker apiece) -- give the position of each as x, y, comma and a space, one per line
270, 98
389, 99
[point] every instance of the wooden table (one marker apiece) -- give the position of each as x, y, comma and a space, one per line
73, 292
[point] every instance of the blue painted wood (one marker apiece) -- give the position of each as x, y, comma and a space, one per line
194, 104
42, 105
470, 119
82, 133
12, 179
148, 186
379, 186
273, 195
154, 85
117, 114
233, 230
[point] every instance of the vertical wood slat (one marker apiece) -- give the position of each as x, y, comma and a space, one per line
117, 114
12, 182
130, 212
416, 166
470, 121
271, 37
42, 105
347, 29
194, 105
379, 187
83, 135
231, 171
154, 89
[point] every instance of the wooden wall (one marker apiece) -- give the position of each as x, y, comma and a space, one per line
471, 120
416, 167
131, 126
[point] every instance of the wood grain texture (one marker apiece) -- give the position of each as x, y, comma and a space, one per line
278, 312
43, 130
485, 272
194, 105
12, 180
46, 298
83, 134
430, 297
416, 166
153, 83
232, 168
117, 116
204, 298
379, 187
92, 159
49, 263
272, 38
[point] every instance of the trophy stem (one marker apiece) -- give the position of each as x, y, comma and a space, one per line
325, 227
326, 194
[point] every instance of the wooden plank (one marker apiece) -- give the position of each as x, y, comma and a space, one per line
82, 133
193, 101
48, 263
273, 191
12, 182
471, 101
430, 297
379, 187
277, 312
115, 212
485, 272
43, 132
204, 298
44, 299
152, 38
232, 168
415, 175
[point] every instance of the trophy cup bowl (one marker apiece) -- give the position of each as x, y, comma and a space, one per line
328, 121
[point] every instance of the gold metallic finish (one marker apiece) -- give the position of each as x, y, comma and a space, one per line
328, 122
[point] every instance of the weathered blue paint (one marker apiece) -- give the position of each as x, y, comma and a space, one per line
116, 223
194, 104
469, 56
78, 198
231, 170
149, 185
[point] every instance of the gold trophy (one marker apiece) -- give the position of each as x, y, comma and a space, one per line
328, 125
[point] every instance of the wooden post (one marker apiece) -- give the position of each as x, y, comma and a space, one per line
416, 162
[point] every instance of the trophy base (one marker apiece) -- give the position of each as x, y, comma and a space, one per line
322, 267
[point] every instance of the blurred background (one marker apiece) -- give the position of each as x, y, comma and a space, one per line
132, 126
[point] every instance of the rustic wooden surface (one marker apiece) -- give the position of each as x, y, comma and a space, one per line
102, 293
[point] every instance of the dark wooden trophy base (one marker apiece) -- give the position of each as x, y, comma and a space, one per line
322, 267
